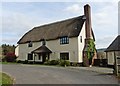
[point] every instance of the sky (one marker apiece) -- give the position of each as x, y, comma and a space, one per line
20, 17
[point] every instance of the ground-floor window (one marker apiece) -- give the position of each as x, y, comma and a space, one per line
30, 56
64, 56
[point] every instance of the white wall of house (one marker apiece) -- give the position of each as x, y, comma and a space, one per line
81, 44
110, 57
55, 47
17, 51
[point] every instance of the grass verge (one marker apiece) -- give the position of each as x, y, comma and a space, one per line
5, 80
8, 63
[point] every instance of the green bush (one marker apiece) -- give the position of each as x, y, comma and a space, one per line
25, 62
64, 63
18, 61
54, 62
57, 62
67, 63
47, 62
74, 64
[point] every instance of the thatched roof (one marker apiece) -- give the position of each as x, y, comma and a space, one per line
115, 45
42, 49
70, 27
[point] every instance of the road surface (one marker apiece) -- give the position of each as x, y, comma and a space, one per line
38, 74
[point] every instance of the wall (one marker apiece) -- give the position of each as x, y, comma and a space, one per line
110, 57
72, 48
55, 47
17, 51
81, 44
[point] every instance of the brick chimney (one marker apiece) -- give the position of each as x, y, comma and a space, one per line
87, 13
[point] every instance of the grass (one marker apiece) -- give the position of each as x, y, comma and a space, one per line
8, 63
5, 80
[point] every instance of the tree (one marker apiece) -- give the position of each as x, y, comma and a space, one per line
7, 48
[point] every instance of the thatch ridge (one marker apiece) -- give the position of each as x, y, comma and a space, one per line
54, 30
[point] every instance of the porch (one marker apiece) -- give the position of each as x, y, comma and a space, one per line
40, 54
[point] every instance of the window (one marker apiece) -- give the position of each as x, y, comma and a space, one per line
81, 39
30, 56
30, 44
64, 56
64, 40
43, 41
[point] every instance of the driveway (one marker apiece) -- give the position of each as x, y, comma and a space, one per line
38, 74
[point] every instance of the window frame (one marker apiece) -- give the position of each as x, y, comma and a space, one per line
64, 56
43, 41
30, 44
64, 40
30, 56
81, 39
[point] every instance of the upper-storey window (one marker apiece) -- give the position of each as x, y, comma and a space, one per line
30, 44
43, 41
64, 40
81, 39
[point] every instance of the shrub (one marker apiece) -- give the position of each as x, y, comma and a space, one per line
54, 62
74, 64
47, 62
67, 63
64, 63
10, 57
18, 61
25, 62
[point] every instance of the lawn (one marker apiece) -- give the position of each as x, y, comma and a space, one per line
5, 80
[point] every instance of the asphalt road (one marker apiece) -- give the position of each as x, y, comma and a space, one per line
36, 74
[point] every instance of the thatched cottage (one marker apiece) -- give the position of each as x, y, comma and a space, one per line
65, 39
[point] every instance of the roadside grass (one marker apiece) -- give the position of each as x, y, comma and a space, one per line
5, 80
8, 63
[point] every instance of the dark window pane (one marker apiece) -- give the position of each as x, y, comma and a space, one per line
64, 40
64, 56
30, 44
81, 39
30, 56
44, 42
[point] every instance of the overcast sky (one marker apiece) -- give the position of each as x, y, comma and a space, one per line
19, 17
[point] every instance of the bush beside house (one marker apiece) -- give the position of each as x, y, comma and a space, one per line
58, 62
8, 53
10, 57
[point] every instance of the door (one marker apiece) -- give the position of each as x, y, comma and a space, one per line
44, 57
